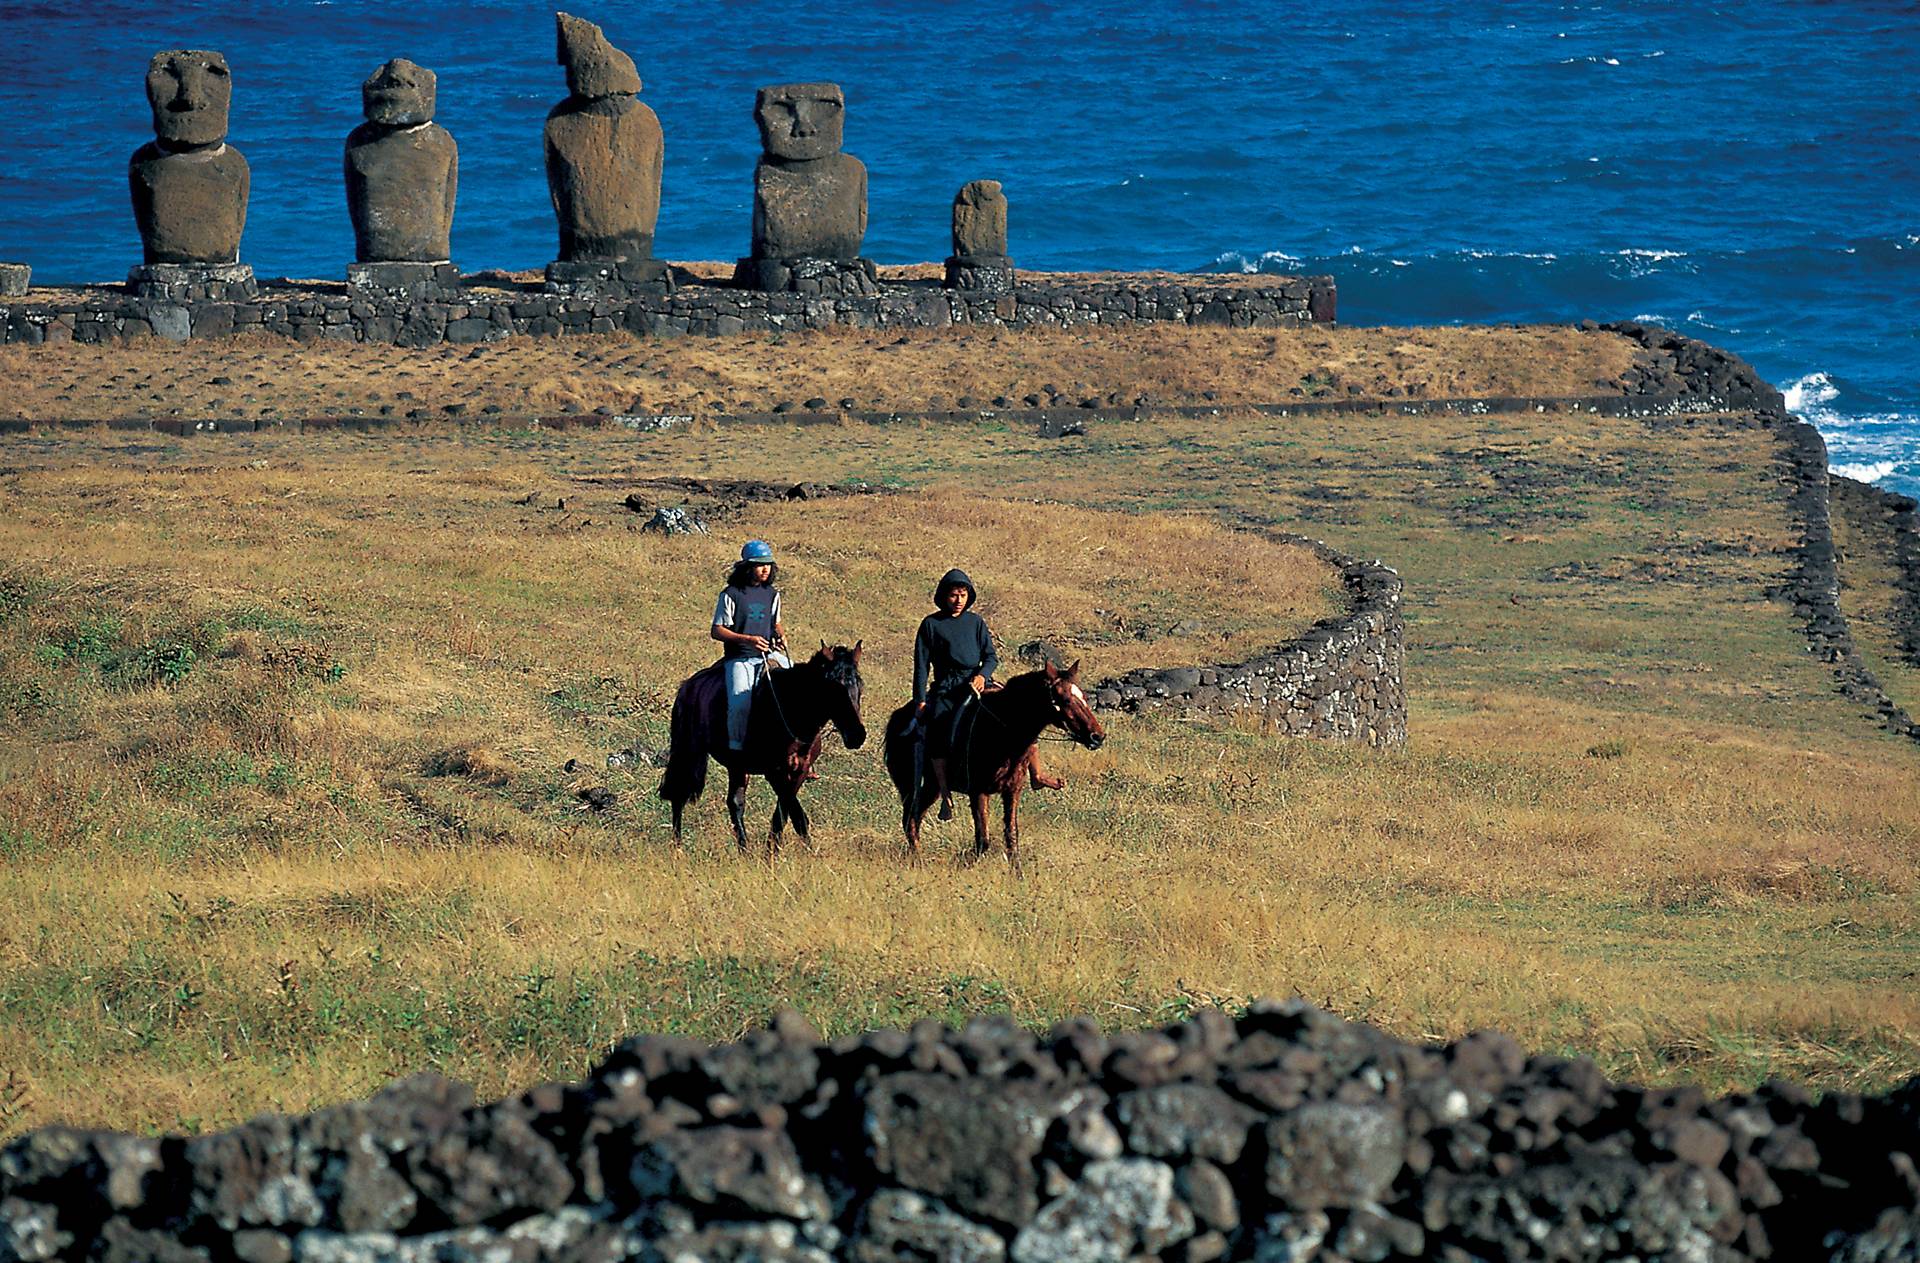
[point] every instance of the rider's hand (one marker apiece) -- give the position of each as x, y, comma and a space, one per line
760, 643
978, 684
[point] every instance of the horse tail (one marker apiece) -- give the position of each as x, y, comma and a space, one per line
899, 752
686, 773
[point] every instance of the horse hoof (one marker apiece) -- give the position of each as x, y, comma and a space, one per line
946, 809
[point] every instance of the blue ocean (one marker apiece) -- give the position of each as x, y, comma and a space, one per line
1748, 173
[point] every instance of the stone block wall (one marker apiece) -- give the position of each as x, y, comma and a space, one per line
1341, 680
1899, 516
1280, 1134
485, 314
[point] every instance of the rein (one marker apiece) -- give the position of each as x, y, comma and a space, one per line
767, 673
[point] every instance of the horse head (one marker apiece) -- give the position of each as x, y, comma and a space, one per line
840, 669
1071, 713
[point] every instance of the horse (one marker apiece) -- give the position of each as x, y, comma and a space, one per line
995, 751
785, 730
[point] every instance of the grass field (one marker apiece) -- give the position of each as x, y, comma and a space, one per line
285, 806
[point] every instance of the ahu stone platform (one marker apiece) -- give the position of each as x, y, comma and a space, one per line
488, 312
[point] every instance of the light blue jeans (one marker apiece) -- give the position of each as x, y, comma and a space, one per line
742, 674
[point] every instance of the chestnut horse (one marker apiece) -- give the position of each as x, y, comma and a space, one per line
785, 730
995, 751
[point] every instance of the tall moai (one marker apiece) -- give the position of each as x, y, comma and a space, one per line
402, 170
189, 186
809, 199
979, 260
604, 152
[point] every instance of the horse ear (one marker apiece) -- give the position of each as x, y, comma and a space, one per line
856, 649
1073, 672
1052, 672
826, 651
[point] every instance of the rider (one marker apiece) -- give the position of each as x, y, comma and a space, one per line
954, 646
746, 620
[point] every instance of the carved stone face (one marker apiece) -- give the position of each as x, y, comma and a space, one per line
190, 91
399, 94
799, 121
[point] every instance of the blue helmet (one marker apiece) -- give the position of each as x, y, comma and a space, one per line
757, 552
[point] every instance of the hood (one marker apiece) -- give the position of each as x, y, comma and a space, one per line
956, 578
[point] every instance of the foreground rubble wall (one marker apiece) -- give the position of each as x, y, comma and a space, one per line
1284, 1133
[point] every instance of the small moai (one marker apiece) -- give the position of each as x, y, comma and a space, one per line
809, 199
189, 186
14, 279
979, 260
604, 153
402, 170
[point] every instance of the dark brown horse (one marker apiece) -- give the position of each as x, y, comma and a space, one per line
995, 751
785, 730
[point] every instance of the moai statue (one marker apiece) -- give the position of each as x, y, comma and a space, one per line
604, 152
14, 279
401, 169
189, 186
980, 259
809, 199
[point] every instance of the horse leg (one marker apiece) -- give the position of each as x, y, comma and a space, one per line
789, 796
737, 807
1039, 779
1010, 821
777, 827
679, 808
979, 802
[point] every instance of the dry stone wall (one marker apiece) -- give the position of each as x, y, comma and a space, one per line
1340, 680
1899, 516
1282, 1134
487, 314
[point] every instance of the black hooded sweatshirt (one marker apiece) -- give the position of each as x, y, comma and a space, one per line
952, 650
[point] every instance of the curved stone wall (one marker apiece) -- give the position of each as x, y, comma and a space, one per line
1284, 1134
486, 314
1340, 680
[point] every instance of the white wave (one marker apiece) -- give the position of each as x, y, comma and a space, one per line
1237, 261
1508, 254
1634, 252
1870, 472
1804, 394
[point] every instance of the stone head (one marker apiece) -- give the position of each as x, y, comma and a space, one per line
190, 91
595, 68
399, 94
801, 120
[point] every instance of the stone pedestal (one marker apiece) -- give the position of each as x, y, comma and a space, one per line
14, 279
194, 282
987, 274
401, 282
607, 278
822, 277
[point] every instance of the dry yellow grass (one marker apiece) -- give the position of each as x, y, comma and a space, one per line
1632, 820
273, 377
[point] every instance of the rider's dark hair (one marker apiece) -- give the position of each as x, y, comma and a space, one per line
741, 576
